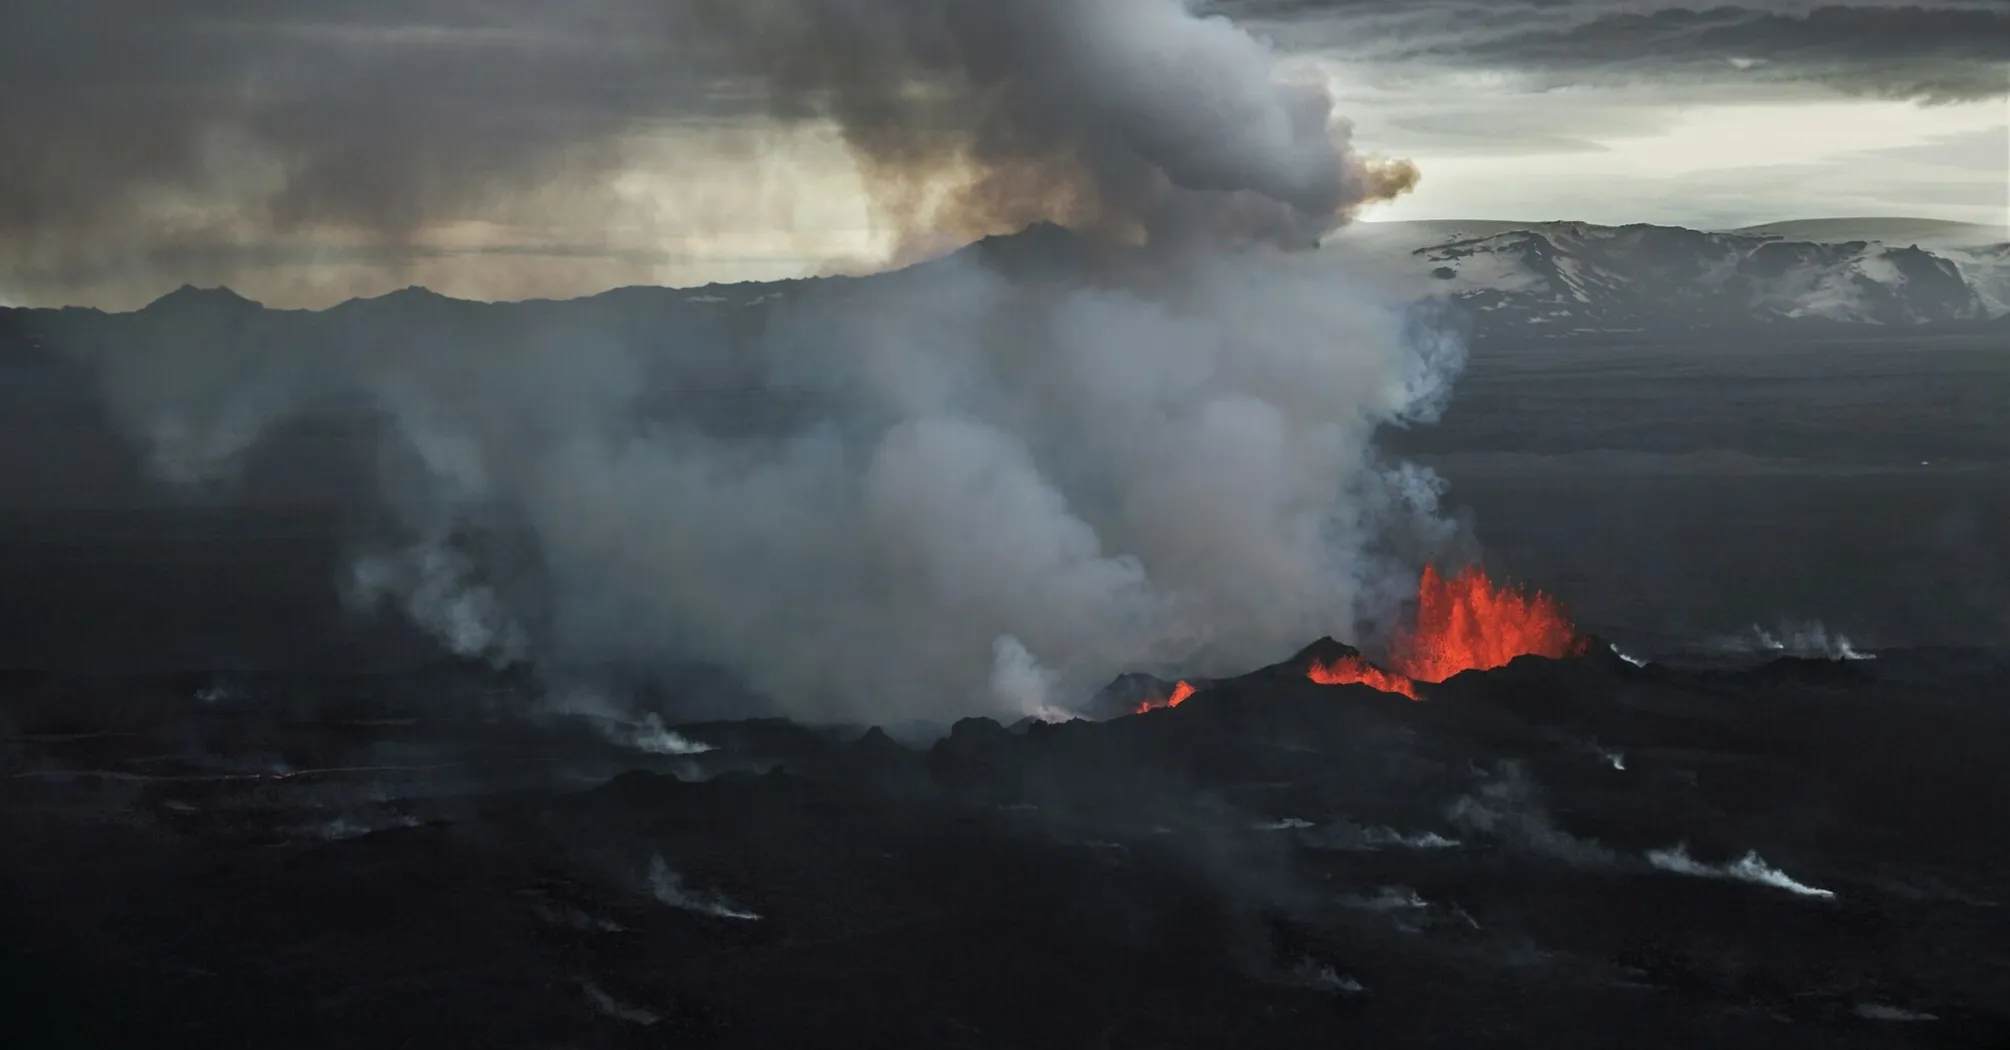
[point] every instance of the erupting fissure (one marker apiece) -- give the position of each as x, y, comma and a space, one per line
1179, 695
1464, 623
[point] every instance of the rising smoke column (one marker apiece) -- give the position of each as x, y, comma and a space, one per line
318, 148
1132, 118
960, 487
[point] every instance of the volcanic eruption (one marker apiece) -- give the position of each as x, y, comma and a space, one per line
1139, 420
1466, 623
1463, 623
1356, 670
1180, 694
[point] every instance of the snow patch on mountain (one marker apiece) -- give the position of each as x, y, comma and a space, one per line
1572, 274
1985, 268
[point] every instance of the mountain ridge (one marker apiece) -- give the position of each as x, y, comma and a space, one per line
1535, 278
1576, 276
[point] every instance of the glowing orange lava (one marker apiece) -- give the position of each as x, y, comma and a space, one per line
1352, 670
1467, 624
1179, 696
1463, 624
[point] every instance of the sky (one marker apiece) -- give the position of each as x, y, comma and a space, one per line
1719, 118
306, 151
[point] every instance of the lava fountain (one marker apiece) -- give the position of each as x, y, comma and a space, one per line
1179, 695
1467, 624
1464, 623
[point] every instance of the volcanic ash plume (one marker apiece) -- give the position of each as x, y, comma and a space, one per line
964, 486
468, 145
1130, 118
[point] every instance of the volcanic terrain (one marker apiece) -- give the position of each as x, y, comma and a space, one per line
1555, 852
1489, 830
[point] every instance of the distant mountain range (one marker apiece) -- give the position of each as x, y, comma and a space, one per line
1525, 279
1574, 276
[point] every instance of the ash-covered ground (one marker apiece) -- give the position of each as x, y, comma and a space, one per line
1800, 851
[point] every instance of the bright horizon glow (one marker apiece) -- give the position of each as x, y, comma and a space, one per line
1738, 164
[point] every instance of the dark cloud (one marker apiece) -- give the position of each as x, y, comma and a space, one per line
1928, 53
1931, 52
134, 127
140, 135
140, 129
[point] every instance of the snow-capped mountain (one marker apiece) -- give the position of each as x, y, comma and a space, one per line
1571, 275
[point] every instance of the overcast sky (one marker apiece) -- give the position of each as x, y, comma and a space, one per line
306, 150
1617, 111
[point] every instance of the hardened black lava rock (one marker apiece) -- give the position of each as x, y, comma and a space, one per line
1554, 853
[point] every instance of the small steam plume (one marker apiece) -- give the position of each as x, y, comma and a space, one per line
612, 719
652, 736
1748, 868
1509, 807
1808, 640
437, 589
964, 486
615, 1008
668, 887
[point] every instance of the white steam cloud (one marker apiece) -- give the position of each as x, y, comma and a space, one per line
970, 485
1018, 680
935, 491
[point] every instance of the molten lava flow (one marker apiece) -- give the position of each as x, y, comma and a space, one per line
1179, 695
1467, 624
1352, 670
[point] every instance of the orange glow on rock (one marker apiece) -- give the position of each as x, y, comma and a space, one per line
1353, 670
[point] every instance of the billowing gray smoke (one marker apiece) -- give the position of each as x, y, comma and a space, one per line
326, 146
918, 493
1132, 117
969, 485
